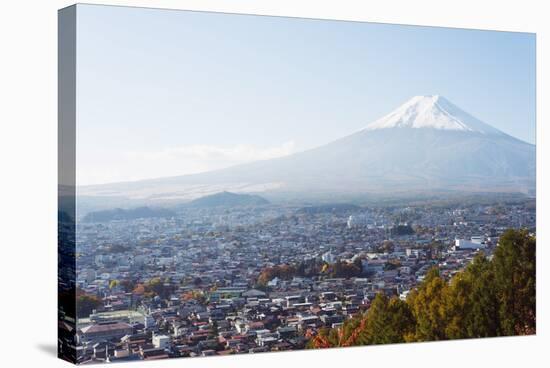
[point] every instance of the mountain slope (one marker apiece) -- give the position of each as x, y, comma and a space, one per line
426, 144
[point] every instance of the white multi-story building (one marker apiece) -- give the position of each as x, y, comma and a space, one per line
475, 242
161, 341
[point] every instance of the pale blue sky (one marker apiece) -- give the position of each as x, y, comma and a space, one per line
163, 93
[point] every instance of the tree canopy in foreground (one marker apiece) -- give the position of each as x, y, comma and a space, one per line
489, 298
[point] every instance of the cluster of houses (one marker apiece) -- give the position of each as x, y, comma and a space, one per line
207, 263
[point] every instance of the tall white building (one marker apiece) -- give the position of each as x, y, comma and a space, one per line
475, 242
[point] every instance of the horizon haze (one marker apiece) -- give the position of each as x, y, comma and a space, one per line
193, 92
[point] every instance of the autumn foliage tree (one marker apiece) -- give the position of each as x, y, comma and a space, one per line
490, 297
344, 269
307, 268
159, 287
284, 272
86, 303
388, 320
154, 287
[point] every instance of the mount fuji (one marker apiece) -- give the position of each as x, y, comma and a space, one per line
427, 144
434, 112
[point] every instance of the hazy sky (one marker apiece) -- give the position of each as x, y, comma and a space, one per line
163, 93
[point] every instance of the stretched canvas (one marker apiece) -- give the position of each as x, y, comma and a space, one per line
241, 184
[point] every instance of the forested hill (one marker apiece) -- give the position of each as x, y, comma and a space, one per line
228, 199
127, 214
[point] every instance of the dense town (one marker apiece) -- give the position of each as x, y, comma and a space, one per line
230, 280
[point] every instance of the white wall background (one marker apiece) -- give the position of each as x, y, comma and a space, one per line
28, 179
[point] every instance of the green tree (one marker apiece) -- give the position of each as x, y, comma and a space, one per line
428, 308
128, 285
160, 287
85, 304
471, 302
515, 279
436, 247
484, 318
488, 298
344, 269
388, 321
214, 329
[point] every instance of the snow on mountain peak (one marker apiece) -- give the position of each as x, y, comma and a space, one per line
432, 111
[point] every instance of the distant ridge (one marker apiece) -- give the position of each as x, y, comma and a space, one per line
340, 208
228, 199
127, 214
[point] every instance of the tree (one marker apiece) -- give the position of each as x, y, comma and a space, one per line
128, 285
471, 302
284, 271
197, 295
344, 269
436, 247
139, 289
428, 308
214, 329
388, 321
387, 246
329, 337
85, 304
392, 265
488, 298
402, 230
515, 279
160, 287
484, 318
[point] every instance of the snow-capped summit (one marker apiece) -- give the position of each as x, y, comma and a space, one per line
434, 112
